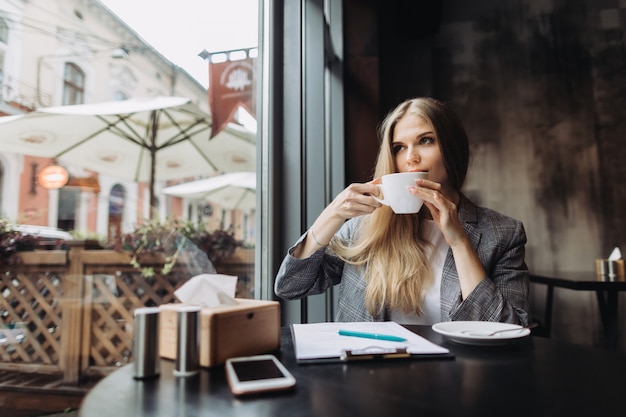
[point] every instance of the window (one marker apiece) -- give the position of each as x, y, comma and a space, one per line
4, 32
1, 65
4, 40
119, 96
68, 203
73, 84
117, 200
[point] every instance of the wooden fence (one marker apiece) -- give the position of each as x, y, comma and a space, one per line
71, 312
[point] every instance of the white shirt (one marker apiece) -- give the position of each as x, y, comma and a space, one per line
431, 310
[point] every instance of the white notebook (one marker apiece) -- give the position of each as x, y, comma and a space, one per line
323, 341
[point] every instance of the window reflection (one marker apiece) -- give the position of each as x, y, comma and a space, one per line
68, 204
116, 211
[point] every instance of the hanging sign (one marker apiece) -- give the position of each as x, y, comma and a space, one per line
84, 183
53, 177
231, 84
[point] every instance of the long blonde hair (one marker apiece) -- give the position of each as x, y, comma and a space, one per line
391, 247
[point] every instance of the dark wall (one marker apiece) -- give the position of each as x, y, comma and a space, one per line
361, 88
388, 50
541, 87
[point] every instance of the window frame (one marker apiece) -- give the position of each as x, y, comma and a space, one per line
298, 128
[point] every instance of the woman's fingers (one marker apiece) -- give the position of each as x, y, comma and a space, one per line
356, 200
428, 191
443, 210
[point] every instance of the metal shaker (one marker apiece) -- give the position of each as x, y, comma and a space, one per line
188, 341
146, 343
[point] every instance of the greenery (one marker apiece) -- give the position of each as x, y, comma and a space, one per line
168, 239
153, 238
89, 236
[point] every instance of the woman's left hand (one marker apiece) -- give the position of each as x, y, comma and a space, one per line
442, 208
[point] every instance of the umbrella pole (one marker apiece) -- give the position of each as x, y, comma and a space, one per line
153, 164
152, 199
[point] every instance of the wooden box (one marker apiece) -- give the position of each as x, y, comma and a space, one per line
249, 327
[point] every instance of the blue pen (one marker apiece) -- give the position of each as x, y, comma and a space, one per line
372, 336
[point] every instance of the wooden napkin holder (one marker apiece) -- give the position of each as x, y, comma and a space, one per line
607, 270
249, 327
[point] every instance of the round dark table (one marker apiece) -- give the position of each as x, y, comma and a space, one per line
530, 377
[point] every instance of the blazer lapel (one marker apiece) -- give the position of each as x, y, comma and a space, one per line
468, 213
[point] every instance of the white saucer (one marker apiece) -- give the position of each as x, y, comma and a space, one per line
458, 331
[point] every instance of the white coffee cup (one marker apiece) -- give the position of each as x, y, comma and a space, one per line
396, 194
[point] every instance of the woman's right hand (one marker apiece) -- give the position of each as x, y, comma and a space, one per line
355, 200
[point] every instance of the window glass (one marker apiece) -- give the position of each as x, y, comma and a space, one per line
73, 84
119, 96
4, 31
4, 38
68, 200
1, 65
116, 211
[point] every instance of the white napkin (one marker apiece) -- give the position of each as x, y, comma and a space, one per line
208, 290
615, 255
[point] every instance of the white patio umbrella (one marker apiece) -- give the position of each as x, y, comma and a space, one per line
142, 139
236, 190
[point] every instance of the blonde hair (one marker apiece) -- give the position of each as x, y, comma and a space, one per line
391, 247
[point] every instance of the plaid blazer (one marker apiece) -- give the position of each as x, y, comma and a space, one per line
498, 240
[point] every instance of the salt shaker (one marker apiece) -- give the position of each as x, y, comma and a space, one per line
187, 341
146, 343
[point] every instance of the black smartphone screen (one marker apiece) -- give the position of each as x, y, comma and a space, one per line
254, 370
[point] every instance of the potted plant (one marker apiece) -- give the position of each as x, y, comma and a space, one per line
171, 239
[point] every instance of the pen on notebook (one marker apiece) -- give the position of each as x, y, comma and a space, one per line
372, 336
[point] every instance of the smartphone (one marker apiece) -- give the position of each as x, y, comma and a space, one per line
259, 373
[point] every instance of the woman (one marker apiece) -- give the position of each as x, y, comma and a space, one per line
452, 261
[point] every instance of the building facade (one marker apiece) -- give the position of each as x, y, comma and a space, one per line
64, 52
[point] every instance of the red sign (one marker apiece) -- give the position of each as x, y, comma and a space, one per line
53, 177
231, 84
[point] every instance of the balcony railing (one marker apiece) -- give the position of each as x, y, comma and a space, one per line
23, 95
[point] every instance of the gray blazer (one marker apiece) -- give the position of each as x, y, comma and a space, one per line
499, 241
